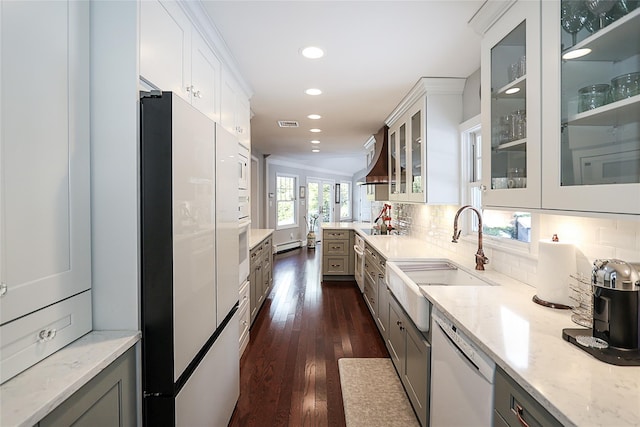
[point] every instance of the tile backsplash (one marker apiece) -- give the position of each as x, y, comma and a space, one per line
592, 237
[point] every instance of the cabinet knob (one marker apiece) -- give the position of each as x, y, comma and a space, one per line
46, 335
3, 289
197, 94
189, 88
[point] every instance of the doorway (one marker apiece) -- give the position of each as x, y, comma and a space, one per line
320, 199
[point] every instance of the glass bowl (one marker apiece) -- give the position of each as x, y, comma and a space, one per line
625, 86
593, 96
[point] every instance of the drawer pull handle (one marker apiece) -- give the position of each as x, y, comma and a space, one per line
3, 289
519, 412
46, 335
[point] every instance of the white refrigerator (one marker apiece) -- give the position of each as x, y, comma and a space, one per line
189, 266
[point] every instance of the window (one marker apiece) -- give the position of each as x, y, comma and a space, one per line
286, 201
345, 200
507, 225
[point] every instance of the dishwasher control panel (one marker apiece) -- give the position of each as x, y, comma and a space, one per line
477, 357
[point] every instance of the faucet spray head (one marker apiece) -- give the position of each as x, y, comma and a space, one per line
456, 236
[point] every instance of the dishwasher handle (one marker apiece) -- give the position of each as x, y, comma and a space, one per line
358, 250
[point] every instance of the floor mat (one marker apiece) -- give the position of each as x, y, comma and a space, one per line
373, 395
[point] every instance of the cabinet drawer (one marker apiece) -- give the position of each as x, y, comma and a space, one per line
337, 247
335, 265
516, 406
244, 320
29, 339
244, 295
335, 235
371, 294
255, 254
266, 245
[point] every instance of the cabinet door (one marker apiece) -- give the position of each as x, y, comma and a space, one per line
228, 106
416, 374
511, 106
383, 309
109, 399
591, 119
396, 340
45, 249
205, 78
244, 120
165, 47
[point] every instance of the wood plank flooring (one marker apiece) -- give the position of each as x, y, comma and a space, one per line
289, 371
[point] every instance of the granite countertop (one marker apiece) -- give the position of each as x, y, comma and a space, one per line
525, 339
257, 235
31, 395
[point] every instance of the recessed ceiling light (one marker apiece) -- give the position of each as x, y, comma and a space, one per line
315, 141
314, 116
315, 150
312, 52
576, 53
315, 130
313, 91
512, 90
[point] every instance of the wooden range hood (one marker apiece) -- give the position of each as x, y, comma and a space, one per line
378, 171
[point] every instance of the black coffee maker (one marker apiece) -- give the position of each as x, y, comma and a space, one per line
616, 303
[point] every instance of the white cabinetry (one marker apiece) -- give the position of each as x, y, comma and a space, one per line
424, 143
45, 247
511, 107
174, 56
593, 151
235, 110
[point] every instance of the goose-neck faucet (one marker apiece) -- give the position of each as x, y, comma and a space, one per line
481, 259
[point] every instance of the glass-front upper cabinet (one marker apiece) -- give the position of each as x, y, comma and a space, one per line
511, 108
591, 130
424, 143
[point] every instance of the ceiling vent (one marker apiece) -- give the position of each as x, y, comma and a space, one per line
288, 124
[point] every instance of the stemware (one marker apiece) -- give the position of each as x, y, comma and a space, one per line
600, 8
573, 16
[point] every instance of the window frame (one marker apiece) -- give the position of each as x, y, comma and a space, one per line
294, 199
349, 200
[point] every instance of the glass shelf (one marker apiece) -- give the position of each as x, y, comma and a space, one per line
618, 40
520, 83
618, 113
517, 145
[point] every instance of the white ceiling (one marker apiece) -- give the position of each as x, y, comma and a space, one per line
375, 53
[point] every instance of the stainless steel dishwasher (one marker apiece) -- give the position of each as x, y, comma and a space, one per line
461, 378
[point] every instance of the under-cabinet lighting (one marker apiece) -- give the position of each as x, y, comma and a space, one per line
315, 130
313, 91
315, 141
314, 116
576, 53
312, 52
512, 90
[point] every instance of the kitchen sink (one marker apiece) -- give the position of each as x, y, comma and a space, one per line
405, 278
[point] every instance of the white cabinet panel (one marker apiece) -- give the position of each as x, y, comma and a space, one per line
205, 78
165, 46
227, 244
228, 104
194, 232
45, 238
209, 396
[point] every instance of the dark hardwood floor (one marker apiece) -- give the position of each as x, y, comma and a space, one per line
289, 371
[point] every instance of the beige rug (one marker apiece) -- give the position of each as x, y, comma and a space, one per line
373, 395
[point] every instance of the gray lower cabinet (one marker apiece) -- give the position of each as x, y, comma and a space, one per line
260, 275
410, 353
337, 254
514, 407
107, 400
382, 312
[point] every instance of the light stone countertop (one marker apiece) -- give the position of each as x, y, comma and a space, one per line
525, 339
257, 235
31, 395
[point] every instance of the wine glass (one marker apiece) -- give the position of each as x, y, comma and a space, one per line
600, 8
573, 16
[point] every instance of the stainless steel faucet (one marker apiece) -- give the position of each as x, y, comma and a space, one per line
481, 259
